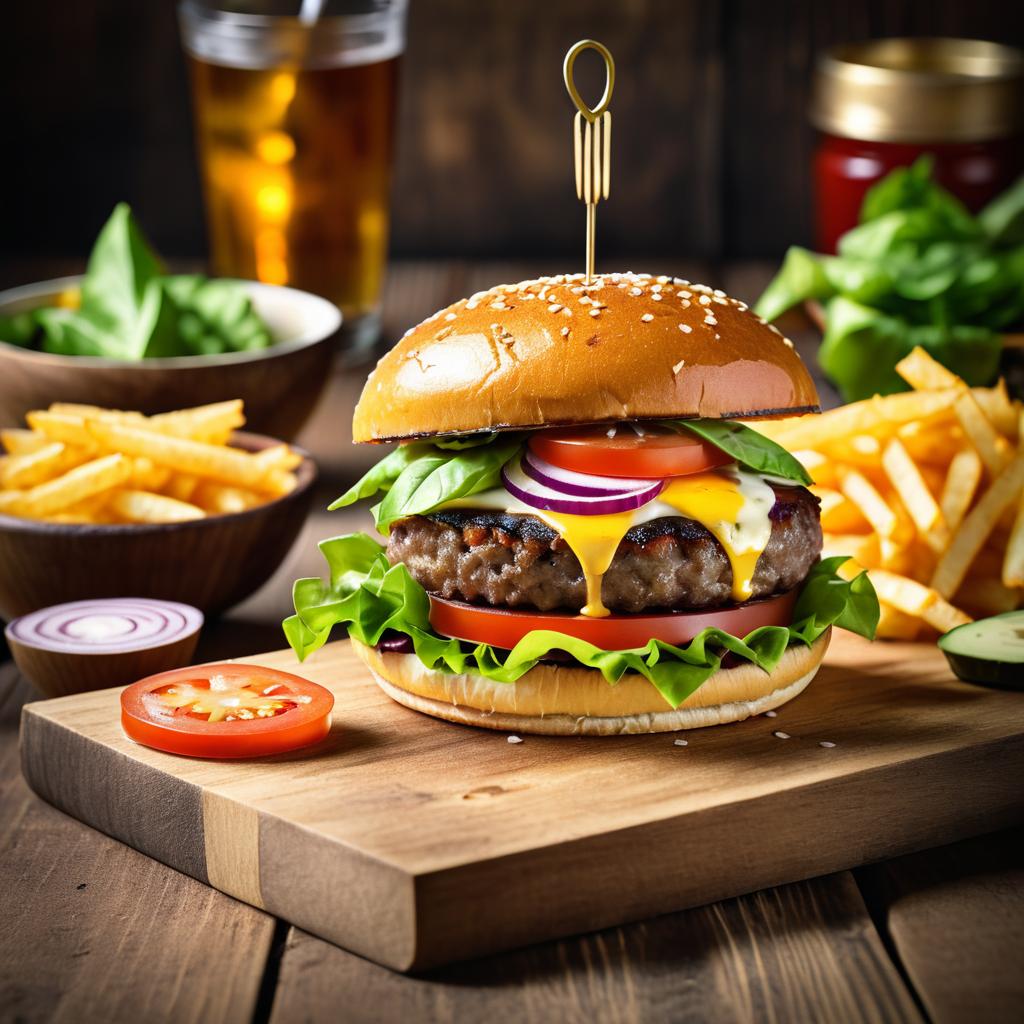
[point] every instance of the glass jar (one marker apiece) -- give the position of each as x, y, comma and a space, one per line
881, 104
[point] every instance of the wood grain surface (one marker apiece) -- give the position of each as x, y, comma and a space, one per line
797, 953
412, 865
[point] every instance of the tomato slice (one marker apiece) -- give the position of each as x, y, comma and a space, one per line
226, 711
650, 452
505, 627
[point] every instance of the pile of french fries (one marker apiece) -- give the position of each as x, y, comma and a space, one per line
82, 464
925, 490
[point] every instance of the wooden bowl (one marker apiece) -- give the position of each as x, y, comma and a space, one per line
280, 385
58, 667
209, 563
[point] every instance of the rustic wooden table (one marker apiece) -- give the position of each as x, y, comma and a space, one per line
93, 930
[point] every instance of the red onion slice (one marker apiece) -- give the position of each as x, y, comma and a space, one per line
539, 496
106, 625
581, 484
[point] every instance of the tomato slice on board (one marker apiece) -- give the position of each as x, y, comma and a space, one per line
226, 711
656, 453
505, 627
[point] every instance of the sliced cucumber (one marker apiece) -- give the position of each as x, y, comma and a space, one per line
989, 651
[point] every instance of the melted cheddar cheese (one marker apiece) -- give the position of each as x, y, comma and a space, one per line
731, 503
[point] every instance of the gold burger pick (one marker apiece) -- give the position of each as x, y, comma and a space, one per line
592, 140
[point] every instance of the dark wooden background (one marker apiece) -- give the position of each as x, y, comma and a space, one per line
711, 155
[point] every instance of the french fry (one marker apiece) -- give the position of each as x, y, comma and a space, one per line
838, 513
181, 486
818, 465
145, 507
903, 593
943, 616
23, 442
861, 546
74, 486
278, 456
908, 483
94, 412
994, 449
201, 423
872, 505
147, 475
9, 501
225, 465
1013, 560
923, 373
222, 500
896, 625
999, 409
961, 483
976, 526
60, 426
20, 472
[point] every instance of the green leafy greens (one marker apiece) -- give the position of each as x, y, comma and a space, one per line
369, 597
919, 269
748, 447
131, 310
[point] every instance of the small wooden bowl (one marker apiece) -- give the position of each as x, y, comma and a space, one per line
58, 667
280, 385
209, 563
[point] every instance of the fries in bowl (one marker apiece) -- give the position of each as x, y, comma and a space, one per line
83, 464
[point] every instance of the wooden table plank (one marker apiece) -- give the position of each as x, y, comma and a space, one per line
799, 952
955, 917
93, 930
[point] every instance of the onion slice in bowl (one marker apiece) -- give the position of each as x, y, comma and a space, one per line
546, 498
106, 625
578, 484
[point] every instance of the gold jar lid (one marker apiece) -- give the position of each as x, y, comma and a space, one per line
919, 91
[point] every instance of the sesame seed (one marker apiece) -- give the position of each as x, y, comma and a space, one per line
655, 287
565, 332
663, 279
595, 312
774, 330
782, 735
449, 316
656, 297
827, 744
647, 317
685, 328
636, 291
498, 305
471, 304
787, 342
719, 294
680, 743
495, 327
554, 307
515, 739
704, 300
566, 311
685, 303
771, 714
678, 366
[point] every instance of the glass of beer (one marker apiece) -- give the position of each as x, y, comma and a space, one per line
294, 109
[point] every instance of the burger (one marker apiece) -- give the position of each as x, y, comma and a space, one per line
580, 532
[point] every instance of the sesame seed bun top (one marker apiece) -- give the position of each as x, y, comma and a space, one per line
557, 351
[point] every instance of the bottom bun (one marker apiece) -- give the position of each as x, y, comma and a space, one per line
564, 701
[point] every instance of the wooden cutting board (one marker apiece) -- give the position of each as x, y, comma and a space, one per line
414, 842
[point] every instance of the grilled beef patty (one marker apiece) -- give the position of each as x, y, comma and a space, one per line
512, 560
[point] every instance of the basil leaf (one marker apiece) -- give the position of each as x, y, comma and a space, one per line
382, 476
121, 266
19, 329
438, 477
214, 316
465, 441
748, 447
801, 277
368, 597
1003, 218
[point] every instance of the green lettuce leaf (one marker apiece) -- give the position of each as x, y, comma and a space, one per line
368, 597
418, 478
748, 447
919, 269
